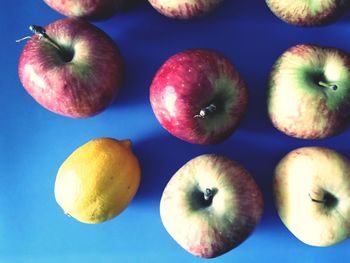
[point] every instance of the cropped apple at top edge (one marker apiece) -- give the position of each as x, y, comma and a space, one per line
71, 68
308, 13
87, 9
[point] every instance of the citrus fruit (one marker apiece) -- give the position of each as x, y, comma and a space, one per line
98, 180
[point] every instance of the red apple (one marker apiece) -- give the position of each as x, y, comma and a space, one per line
90, 9
198, 96
184, 9
211, 205
71, 68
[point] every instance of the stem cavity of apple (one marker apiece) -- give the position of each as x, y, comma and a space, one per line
204, 112
208, 194
40, 31
327, 85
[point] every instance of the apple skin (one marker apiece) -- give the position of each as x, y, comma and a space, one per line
87, 9
191, 81
212, 227
312, 195
297, 104
184, 9
308, 13
78, 87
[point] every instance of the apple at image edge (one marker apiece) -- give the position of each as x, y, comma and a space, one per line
309, 92
76, 74
184, 9
87, 9
210, 205
311, 189
308, 13
198, 96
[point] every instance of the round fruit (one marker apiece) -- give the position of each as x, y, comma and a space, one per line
89, 9
199, 96
312, 192
98, 180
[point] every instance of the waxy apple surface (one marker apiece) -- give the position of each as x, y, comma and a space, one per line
309, 92
89, 9
210, 205
308, 13
184, 9
198, 96
81, 78
312, 195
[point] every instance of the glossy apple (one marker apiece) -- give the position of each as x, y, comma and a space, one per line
184, 9
73, 68
309, 92
89, 9
210, 205
308, 13
198, 96
312, 195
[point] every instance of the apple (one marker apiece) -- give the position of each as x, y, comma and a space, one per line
89, 9
198, 96
71, 68
309, 92
308, 13
211, 205
312, 195
184, 9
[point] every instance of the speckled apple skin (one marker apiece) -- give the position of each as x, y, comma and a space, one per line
297, 106
80, 88
308, 13
87, 9
235, 210
309, 173
184, 9
191, 80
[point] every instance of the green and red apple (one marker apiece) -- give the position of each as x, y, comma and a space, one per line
306, 12
211, 205
89, 9
71, 67
184, 9
312, 195
309, 92
198, 96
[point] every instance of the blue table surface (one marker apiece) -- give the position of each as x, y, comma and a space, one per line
34, 142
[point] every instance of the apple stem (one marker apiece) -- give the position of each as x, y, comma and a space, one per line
328, 86
204, 112
40, 31
208, 194
316, 200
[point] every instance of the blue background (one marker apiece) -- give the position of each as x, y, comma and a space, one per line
34, 142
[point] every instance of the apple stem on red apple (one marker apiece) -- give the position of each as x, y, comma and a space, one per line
204, 112
40, 31
326, 85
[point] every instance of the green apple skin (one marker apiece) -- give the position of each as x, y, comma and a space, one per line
210, 228
309, 92
312, 195
308, 13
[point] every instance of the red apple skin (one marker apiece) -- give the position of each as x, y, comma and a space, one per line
87, 9
184, 9
190, 81
80, 88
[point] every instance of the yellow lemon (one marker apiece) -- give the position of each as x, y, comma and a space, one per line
98, 180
